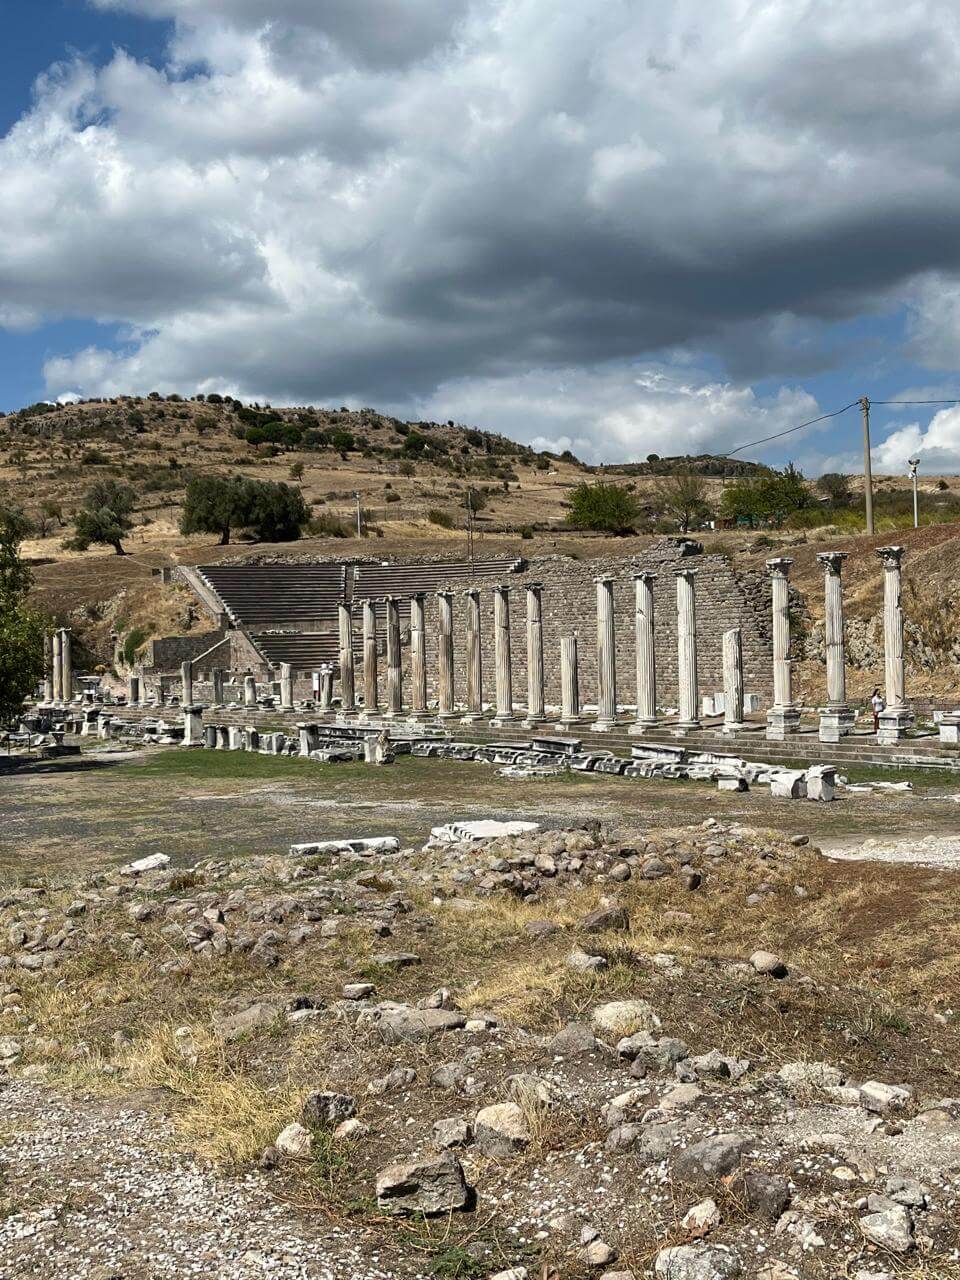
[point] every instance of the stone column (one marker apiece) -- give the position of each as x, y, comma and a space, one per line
501, 654
309, 738
536, 703
286, 686
646, 653
394, 659
371, 697
474, 656
445, 654
418, 658
688, 700
836, 718
569, 681
326, 690
217, 677
783, 718
192, 725
56, 648
606, 657
732, 681
348, 701
133, 690
66, 659
897, 717
186, 684
48, 672
210, 736
249, 691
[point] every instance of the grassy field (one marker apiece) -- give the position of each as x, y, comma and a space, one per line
99, 810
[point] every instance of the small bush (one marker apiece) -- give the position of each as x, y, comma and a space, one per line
94, 458
442, 518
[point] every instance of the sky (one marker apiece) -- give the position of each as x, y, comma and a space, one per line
615, 226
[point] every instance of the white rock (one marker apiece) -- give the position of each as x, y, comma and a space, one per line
703, 1217
155, 862
482, 829
624, 1017
879, 1097
294, 1141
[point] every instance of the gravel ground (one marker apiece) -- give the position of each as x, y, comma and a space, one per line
98, 1194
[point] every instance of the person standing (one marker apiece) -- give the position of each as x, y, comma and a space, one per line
878, 704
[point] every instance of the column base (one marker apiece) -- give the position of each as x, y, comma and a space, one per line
733, 726
570, 723
500, 722
894, 723
683, 727
531, 722
782, 722
603, 726
642, 726
835, 723
471, 717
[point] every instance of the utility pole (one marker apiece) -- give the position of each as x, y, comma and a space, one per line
867, 472
914, 463
359, 516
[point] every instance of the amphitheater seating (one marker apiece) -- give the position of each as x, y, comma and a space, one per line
277, 593
373, 580
304, 650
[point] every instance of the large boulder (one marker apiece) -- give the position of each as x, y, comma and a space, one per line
423, 1186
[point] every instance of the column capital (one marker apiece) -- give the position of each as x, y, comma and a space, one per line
533, 586
779, 566
388, 599
644, 575
891, 556
502, 587
685, 571
444, 594
604, 579
470, 591
832, 560
418, 595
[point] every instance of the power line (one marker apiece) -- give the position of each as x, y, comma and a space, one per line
915, 401
800, 426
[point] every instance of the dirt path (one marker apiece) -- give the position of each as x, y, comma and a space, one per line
91, 1190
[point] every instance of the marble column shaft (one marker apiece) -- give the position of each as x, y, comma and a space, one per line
501, 652
48, 675
732, 680
474, 655
133, 689
348, 701
832, 562
445, 653
646, 652
418, 656
893, 656
371, 697
394, 659
536, 702
606, 656
286, 685
569, 681
66, 661
780, 587
217, 677
688, 684
186, 684
326, 689
57, 668
249, 691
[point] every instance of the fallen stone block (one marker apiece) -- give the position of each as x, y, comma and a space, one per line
425, 1186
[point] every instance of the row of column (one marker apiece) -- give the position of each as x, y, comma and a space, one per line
58, 666
783, 717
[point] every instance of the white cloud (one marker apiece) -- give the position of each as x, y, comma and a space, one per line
499, 204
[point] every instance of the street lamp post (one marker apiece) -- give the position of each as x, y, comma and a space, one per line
914, 463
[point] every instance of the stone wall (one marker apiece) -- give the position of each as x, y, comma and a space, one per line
166, 653
725, 599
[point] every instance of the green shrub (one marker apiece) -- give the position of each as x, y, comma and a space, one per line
442, 518
606, 507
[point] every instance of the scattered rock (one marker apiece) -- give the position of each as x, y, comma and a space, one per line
423, 1186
